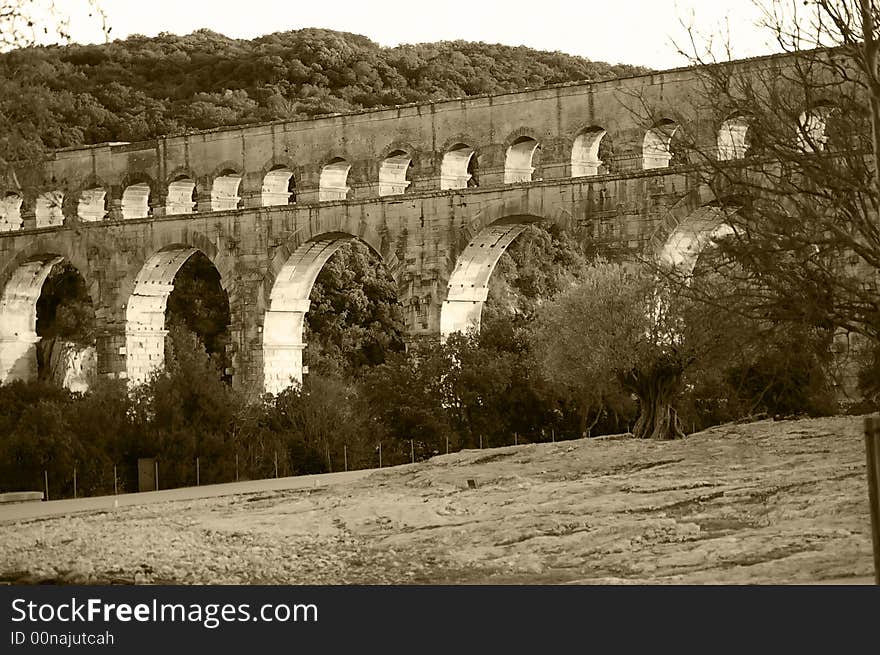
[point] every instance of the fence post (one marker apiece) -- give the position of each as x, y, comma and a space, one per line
345, 455
553, 435
115, 491
412, 452
74, 482
329, 461
46, 480
380, 454
872, 452
447, 444
156, 471
515, 439
276, 463
198, 479
236, 467
481, 442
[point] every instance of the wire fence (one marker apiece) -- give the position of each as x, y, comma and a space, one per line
131, 475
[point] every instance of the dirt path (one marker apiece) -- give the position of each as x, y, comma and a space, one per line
768, 502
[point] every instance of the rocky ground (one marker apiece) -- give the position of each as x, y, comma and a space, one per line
767, 502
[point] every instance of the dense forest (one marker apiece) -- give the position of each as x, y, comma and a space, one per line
140, 88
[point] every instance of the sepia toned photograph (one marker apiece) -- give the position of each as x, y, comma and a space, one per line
456, 293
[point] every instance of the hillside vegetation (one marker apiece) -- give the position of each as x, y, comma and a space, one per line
140, 88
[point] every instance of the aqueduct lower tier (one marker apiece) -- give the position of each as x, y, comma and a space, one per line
440, 247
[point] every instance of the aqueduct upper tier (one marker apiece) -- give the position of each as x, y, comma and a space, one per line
438, 190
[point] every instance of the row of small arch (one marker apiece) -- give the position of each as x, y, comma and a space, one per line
458, 171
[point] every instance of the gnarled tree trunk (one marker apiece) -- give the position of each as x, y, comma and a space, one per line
656, 390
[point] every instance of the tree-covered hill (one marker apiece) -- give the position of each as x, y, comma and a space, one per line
139, 88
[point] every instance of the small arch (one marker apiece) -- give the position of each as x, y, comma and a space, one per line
732, 143
224, 191
656, 151
136, 201
456, 169
518, 163
393, 173
279, 187
333, 182
468, 286
288, 305
181, 198
10, 213
812, 126
92, 205
585, 152
48, 209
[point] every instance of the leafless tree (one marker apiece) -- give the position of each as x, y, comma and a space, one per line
25, 23
789, 147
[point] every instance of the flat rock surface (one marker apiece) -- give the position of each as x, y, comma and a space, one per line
767, 503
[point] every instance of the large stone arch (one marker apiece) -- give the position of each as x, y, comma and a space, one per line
288, 285
22, 284
288, 305
148, 297
698, 196
468, 285
523, 204
40, 246
326, 223
700, 229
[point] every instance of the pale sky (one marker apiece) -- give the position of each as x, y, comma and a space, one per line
616, 31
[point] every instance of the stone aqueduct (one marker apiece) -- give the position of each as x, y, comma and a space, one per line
437, 190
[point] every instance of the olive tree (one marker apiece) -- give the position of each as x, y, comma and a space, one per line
623, 327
